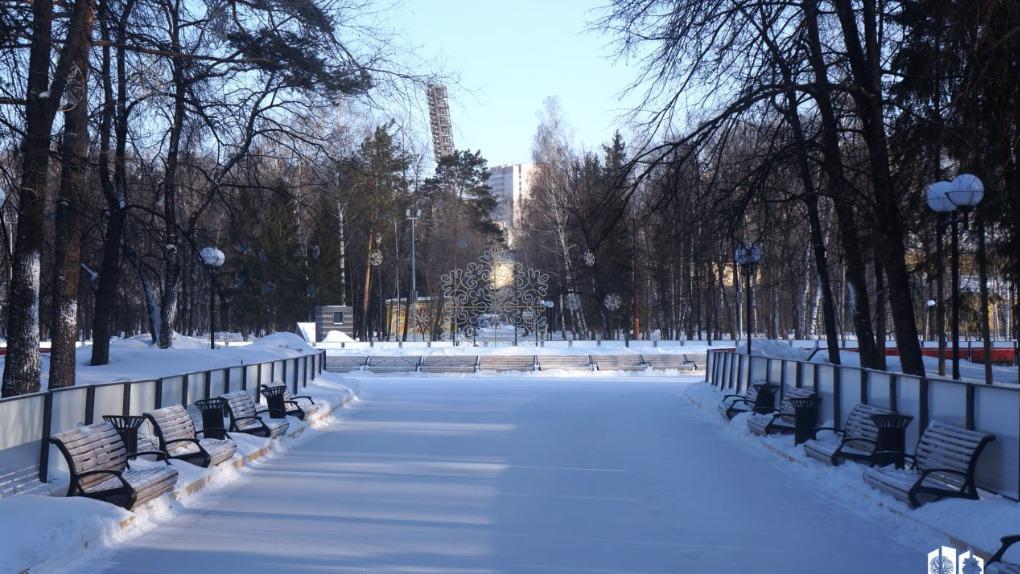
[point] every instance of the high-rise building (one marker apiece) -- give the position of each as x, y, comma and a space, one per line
511, 186
439, 119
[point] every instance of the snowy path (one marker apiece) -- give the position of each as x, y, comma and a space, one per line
519, 475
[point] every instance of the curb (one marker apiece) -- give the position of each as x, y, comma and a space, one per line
953, 539
185, 490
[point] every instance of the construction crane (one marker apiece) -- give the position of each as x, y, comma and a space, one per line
439, 118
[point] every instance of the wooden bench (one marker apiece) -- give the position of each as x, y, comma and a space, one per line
565, 363
524, 363
619, 362
300, 406
176, 433
664, 362
344, 364
449, 364
244, 417
781, 421
855, 441
98, 462
997, 565
395, 364
732, 405
942, 466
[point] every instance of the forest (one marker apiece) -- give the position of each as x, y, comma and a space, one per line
135, 133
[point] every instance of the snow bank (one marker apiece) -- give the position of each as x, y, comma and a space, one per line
137, 359
975, 523
42, 533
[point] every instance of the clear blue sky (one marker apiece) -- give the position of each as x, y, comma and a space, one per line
509, 55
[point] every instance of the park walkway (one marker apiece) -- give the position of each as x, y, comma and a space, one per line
481, 475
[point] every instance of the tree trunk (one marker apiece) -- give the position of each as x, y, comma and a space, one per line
171, 242
114, 118
67, 239
866, 73
23, 363
982, 260
367, 287
832, 165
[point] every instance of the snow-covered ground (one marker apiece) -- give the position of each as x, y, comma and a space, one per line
137, 359
54, 533
501, 474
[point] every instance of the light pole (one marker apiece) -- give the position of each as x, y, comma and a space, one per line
940, 204
413, 218
747, 256
213, 259
961, 195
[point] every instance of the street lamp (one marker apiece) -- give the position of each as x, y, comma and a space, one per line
413, 217
940, 204
213, 259
747, 256
946, 198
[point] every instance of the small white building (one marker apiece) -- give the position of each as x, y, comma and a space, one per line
511, 186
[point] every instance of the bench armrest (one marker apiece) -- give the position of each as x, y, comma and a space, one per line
246, 418
159, 454
1007, 541
303, 397
191, 440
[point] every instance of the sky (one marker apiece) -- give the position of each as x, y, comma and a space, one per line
507, 57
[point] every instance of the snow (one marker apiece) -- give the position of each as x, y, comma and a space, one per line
337, 337
508, 474
137, 359
978, 523
52, 534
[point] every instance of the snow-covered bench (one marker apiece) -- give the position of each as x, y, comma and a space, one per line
663, 362
99, 465
855, 441
176, 433
783, 420
565, 363
620, 362
244, 417
996, 564
732, 405
942, 466
345, 364
300, 406
395, 364
449, 364
524, 363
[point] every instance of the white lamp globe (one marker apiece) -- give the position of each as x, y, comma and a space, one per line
938, 198
212, 257
967, 191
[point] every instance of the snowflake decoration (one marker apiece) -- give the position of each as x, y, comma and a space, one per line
573, 301
375, 258
495, 285
589, 258
612, 301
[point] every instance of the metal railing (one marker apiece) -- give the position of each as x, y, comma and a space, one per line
28, 421
992, 408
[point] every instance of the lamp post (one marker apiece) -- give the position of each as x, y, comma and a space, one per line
213, 259
413, 217
940, 204
961, 195
747, 256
